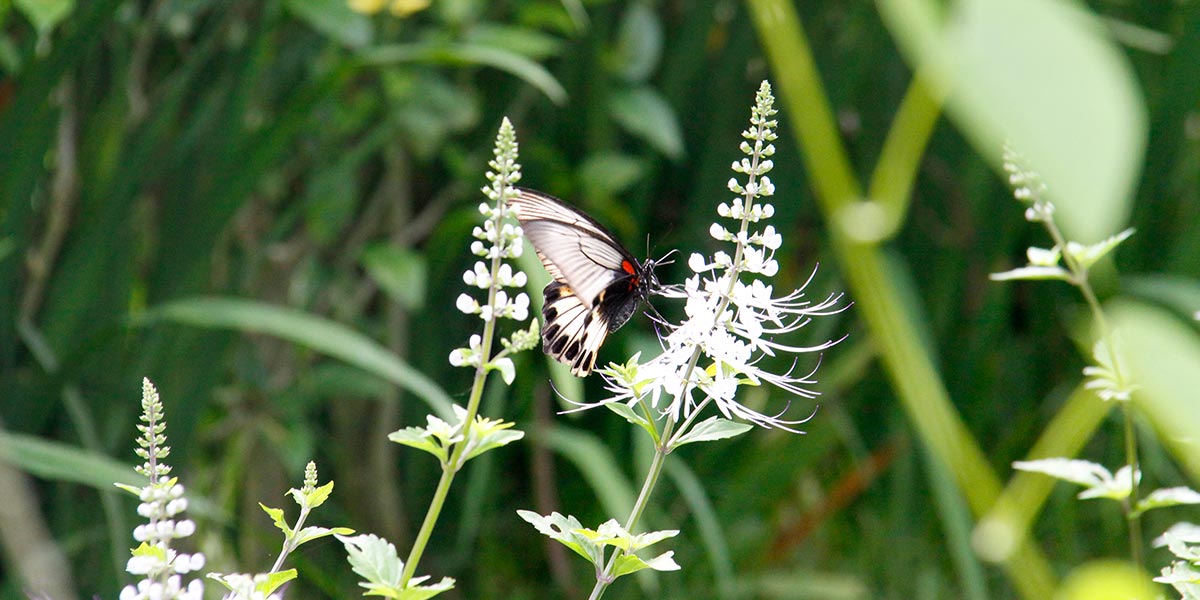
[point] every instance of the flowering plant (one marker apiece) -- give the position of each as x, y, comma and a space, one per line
732, 325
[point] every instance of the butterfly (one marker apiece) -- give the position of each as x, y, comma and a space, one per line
597, 285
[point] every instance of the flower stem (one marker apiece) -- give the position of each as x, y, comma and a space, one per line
451, 467
1079, 278
660, 457
290, 543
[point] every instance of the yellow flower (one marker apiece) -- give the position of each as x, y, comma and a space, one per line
366, 7
403, 8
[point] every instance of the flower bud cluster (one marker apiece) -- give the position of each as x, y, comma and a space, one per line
495, 241
162, 501
1028, 188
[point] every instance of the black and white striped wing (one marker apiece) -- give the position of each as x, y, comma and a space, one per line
573, 333
575, 250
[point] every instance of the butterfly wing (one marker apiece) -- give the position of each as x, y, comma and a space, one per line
573, 332
575, 249
582, 304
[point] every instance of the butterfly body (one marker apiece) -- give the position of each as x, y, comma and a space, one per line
597, 284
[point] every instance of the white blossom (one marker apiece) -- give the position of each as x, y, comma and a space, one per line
733, 319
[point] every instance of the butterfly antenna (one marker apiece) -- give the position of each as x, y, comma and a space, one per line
666, 258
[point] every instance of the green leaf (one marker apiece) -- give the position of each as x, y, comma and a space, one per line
1032, 274
639, 43
1160, 498
146, 549
633, 417
1041, 75
274, 580
1082, 472
645, 114
471, 54
55, 461
711, 429
136, 491
416, 437
521, 40
492, 440
400, 272
607, 174
374, 559
1161, 353
321, 334
335, 19
277, 517
318, 496
1089, 254
1179, 293
631, 563
45, 15
568, 531
311, 533
508, 371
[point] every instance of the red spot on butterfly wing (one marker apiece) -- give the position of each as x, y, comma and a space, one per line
628, 268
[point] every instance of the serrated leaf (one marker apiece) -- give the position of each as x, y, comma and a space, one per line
628, 563
645, 114
374, 559
401, 273
631, 563
311, 533
1083, 472
318, 496
566, 530
1179, 572
416, 437
413, 591
277, 517
1089, 254
146, 549
1174, 496
650, 538
626, 412
274, 580
1183, 531
711, 429
494, 439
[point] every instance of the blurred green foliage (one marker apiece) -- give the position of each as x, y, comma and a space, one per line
316, 170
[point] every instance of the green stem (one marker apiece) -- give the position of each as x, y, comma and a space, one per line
290, 543
1079, 278
604, 579
451, 467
